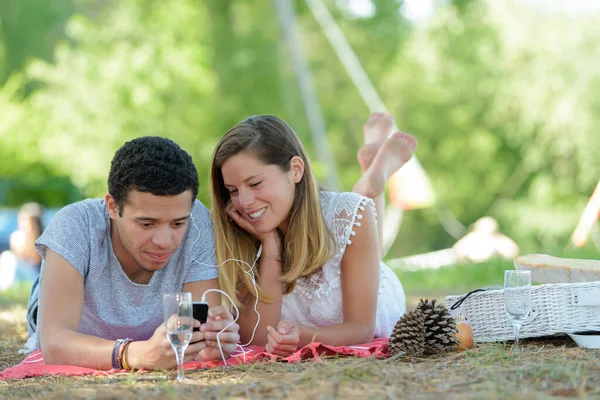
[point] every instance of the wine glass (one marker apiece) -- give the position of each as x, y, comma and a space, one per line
517, 299
178, 324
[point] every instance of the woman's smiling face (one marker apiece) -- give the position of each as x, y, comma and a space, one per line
263, 194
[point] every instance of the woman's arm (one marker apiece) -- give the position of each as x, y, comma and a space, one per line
269, 278
360, 285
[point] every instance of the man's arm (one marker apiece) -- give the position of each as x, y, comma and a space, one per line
61, 305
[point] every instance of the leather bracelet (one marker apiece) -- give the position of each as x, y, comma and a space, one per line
117, 354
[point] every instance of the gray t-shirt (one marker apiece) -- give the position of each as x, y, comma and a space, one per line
114, 307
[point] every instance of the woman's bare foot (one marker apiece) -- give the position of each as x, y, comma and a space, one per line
366, 154
376, 130
378, 127
393, 154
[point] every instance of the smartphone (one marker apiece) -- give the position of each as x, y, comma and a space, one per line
200, 311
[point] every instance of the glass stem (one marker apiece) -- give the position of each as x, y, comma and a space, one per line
179, 351
517, 328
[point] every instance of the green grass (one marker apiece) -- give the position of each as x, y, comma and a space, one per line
454, 279
462, 278
17, 294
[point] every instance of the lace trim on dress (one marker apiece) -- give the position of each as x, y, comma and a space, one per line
361, 208
347, 213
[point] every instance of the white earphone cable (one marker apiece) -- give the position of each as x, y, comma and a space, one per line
250, 273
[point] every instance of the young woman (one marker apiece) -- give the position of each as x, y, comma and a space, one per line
319, 275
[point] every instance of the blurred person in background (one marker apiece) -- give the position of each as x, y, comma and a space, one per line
485, 242
21, 263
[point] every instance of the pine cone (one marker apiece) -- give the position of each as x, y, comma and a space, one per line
439, 327
408, 335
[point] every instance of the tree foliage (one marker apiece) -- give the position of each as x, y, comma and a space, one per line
505, 115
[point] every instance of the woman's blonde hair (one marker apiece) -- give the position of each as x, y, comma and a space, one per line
307, 243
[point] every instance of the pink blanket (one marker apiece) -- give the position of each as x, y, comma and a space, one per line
33, 365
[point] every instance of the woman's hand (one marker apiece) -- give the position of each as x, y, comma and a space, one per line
243, 223
284, 340
236, 216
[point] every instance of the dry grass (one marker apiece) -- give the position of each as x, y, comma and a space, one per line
13, 333
548, 368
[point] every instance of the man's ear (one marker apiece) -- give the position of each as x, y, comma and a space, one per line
297, 168
111, 206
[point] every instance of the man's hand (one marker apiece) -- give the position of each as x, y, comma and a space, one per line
156, 353
284, 340
218, 319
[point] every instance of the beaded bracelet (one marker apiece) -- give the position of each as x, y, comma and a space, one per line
115, 353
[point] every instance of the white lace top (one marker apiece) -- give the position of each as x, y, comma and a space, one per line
317, 299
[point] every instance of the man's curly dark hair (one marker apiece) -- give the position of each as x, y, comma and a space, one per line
151, 164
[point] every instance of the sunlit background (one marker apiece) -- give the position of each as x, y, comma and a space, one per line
503, 96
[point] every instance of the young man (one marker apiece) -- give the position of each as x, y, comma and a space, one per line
108, 262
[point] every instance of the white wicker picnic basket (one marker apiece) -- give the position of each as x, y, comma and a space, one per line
556, 308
